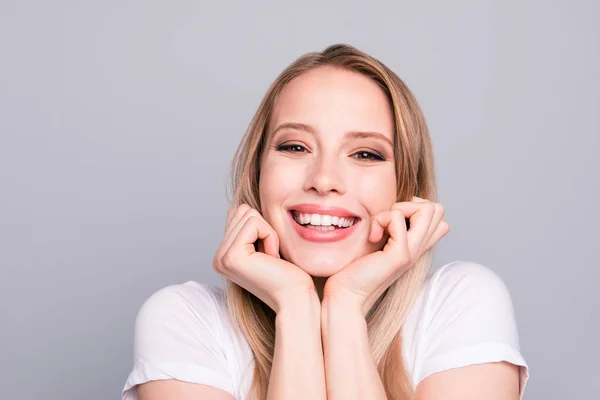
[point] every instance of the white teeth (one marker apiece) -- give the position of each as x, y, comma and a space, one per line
323, 220
301, 219
315, 219
321, 228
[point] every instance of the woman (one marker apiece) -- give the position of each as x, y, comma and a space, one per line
327, 255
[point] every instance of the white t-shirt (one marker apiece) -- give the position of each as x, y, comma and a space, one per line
463, 315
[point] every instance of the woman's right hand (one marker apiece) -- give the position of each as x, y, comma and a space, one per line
268, 277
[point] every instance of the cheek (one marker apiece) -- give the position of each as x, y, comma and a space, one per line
278, 180
377, 191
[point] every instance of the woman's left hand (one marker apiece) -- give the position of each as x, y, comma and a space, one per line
361, 282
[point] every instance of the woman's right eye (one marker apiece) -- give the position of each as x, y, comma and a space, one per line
292, 148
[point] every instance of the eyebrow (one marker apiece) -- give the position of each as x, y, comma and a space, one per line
351, 135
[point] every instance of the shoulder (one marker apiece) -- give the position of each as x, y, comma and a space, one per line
460, 292
181, 319
467, 296
188, 318
183, 332
460, 270
189, 302
189, 292
463, 316
464, 282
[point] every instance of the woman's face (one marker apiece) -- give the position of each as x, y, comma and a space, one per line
328, 162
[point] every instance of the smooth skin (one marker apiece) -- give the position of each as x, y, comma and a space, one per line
321, 292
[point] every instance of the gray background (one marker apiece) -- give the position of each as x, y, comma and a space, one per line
118, 121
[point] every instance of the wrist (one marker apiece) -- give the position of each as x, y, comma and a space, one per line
300, 317
344, 304
303, 301
337, 311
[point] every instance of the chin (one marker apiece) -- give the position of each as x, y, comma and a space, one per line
321, 265
320, 270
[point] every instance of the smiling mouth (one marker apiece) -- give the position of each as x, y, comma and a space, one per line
321, 222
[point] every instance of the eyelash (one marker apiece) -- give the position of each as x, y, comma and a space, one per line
371, 155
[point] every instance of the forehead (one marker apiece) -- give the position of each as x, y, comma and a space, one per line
334, 100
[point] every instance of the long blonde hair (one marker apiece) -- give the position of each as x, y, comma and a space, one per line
415, 176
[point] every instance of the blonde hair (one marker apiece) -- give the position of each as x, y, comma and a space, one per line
415, 176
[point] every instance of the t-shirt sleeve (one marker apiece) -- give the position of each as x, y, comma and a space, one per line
177, 337
469, 320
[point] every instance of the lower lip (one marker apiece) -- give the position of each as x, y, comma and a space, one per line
315, 235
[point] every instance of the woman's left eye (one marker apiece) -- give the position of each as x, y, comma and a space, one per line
292, 148
367, 155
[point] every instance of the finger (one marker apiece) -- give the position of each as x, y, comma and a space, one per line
381, 268
381, 223
407, 207
271, 241
397, 245
418, 199
397, 206
378, 228
442, 229
433, 226
435, 221
255, 228
237, 224
378, 224
230, 214
234, 214
397, 253
269, 245
421, 215
233, 217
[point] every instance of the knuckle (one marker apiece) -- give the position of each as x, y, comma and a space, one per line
431, 207
403, 259
216, 267
217, 263
253, 220
248, 213
228, 261
445, 226
253, 213
441, 208
257, 219
243, 209
397, 211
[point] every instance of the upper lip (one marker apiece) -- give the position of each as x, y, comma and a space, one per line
308, 208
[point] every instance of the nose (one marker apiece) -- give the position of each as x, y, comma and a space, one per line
325, 176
